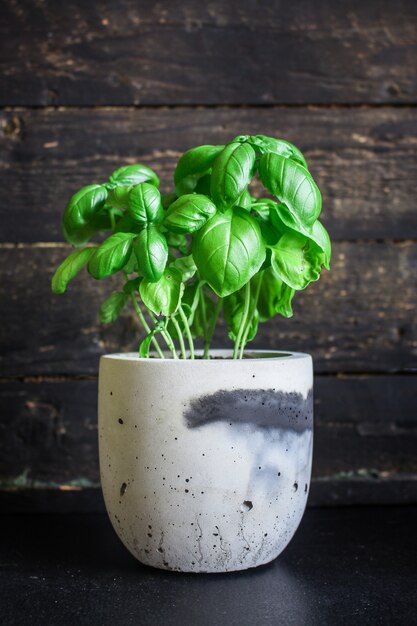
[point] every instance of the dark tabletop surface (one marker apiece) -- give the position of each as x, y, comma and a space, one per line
344, 566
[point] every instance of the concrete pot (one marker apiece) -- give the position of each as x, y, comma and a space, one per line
205, 464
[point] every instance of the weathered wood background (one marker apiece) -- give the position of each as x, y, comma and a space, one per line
88, 86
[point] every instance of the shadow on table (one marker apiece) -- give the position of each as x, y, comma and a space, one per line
84, 548
339, 564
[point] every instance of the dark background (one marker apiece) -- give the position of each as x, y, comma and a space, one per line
86, 87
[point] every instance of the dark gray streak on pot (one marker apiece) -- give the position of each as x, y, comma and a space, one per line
264, 408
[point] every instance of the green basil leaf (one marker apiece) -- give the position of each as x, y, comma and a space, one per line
80, 211
278, 146
119, 197
262, 206
245, 200
189, 213
186, 266
131, 265
241, 139
151, 253
145, 204
271, 230
129, 175
292, 184
178, 242
70, 268
112, 307
99, 223
228, 250
164, 296
321, 238
194, 164
112, 255
275, 296
283, 219
145, 344
232, 171
296, 260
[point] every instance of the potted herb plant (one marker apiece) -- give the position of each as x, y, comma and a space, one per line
205, 455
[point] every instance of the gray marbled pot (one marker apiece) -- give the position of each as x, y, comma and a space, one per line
205, 465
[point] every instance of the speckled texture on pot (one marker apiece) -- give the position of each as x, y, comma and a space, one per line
205, 465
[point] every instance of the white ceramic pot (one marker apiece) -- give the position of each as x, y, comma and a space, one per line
205, 464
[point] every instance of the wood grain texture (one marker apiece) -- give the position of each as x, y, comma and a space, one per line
48, 433
363, 159
392, 489
365, 427
358, 317
88, 53
178, 74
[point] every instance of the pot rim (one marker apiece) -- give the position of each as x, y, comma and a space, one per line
223, 355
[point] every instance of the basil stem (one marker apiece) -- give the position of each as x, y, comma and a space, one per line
243, 322
146, 325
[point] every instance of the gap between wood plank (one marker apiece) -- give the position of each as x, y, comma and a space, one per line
59, 378
186, 105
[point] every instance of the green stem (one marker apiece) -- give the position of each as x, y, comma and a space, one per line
146, 325
180, 337
204, 316
207, 340
243, 322
195, 303
251, 314
187, 332
166, 336
112, 221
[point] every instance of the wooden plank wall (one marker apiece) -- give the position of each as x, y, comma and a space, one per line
88, 86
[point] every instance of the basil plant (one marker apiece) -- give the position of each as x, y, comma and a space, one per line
208, 248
